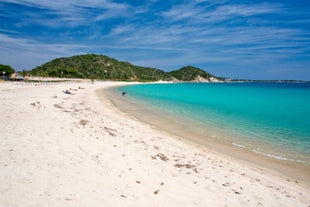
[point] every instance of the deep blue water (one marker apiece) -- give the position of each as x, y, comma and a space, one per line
269, 118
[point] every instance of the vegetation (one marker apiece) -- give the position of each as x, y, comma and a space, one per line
6, 70
97, 67
189, 73
102, 67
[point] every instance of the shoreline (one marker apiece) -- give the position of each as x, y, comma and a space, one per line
161, 121
59, 149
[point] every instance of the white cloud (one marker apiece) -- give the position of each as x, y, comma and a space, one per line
72, 12
217, 12
246, 10
183, 11
60, 5
23, 53
122, 29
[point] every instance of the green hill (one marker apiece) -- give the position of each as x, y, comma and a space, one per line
190, 73
96, 67
105, 68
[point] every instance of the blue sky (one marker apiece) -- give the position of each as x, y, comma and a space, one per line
236, 38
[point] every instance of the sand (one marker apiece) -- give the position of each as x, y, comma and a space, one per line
79, 150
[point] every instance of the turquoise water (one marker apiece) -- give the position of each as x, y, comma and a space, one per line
272, 119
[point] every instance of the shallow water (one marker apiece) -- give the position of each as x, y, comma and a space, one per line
272, 119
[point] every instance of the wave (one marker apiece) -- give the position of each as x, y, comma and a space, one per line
279, 157
238, 145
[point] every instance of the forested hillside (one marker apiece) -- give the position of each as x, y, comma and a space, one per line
105, 68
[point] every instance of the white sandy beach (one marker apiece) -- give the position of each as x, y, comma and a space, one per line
79, 150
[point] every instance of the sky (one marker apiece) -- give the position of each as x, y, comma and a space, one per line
235, 39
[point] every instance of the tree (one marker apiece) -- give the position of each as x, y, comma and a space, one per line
25, 73
6, 70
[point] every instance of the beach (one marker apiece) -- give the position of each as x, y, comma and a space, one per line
78, 149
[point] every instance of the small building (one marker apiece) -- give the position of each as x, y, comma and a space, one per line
17, 77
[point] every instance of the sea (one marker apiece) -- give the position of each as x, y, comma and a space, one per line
270, 119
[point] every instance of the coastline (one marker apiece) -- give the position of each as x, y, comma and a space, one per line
79, 150
180, 128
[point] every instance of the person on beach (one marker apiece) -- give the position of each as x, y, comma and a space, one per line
67, 92
124, 93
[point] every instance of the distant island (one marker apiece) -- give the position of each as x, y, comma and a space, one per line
101, 67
